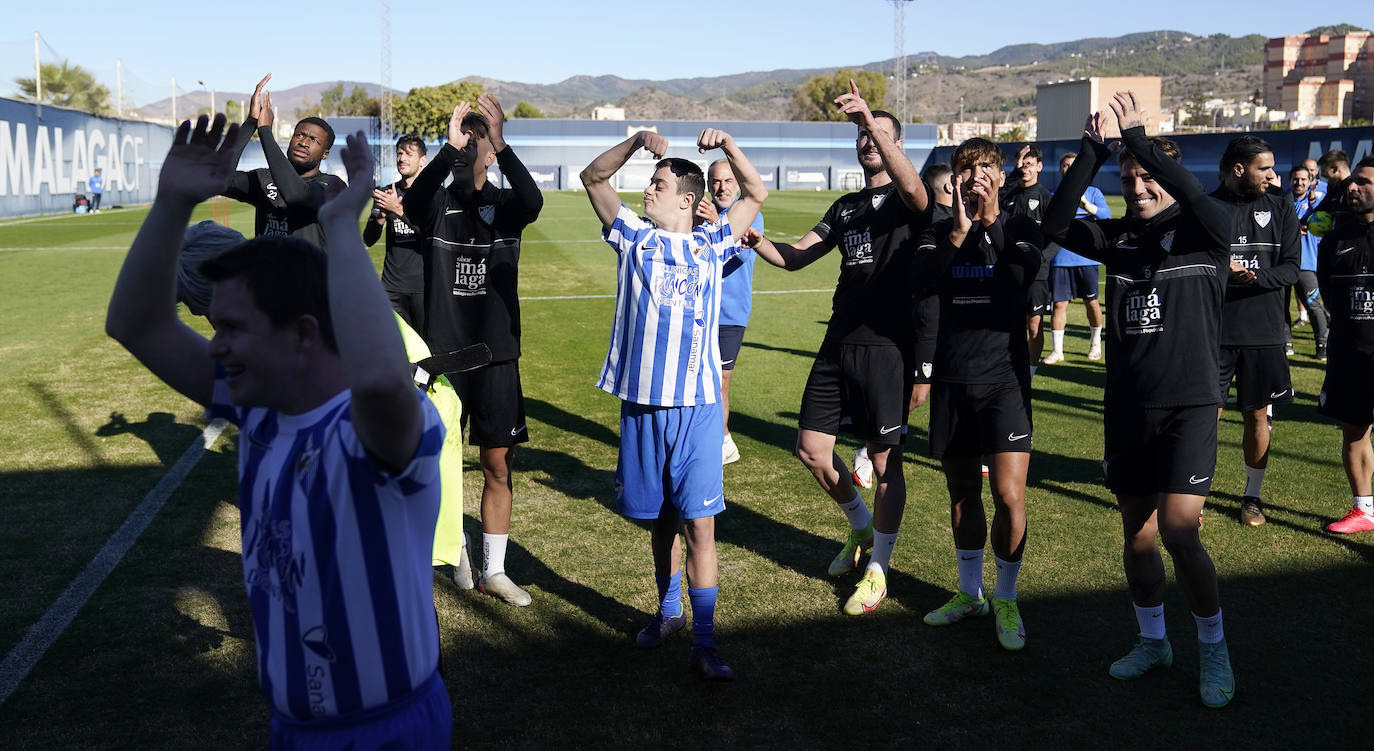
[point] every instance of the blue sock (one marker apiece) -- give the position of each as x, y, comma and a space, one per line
670, 594
703, 615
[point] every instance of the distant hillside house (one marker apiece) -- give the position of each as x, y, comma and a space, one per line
1320, 79
608, 112
1062, 106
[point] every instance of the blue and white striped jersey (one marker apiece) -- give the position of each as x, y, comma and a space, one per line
336, 558
664, 350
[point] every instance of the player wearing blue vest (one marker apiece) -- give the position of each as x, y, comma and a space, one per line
664, 366
96, 184
1305, 201
338, 453
1072, 275
736, 288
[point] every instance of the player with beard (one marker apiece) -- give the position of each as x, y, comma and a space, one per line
1345, 271
1265, 255
1022, 194
288, 192
863, 369
1305, 201
1167, 262
471, 295
982, 262
403, 266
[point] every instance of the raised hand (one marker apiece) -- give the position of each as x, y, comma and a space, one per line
712, 138
268, 116
706, 211
986, 192
357, 161
456, 136
1127, 109
490, 108
653, 143
853, 106
200, 161
963, 220
751, 238
1094, 125
255, 104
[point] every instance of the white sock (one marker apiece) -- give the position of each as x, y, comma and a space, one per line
883, 543
1365, 503
1209, 629
1005, 589
1096, 334
1057, 336
1151, 621
970, 571
856, 512
493, 554
1254, 478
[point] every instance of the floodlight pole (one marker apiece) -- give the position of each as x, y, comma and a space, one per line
119, 88
37, 77
899, 55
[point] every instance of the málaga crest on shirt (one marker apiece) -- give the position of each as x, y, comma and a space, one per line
1033, 203
878, 200
1262, 218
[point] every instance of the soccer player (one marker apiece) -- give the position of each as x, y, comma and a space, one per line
1304, 203
403, 266
471, 295
338, 453
1334, 167
982, 262
1166, 273
1265, 254
1072, 275
863, 369
288, 192
96, 184
736, 290
1344, 259
1022, 194
664, 366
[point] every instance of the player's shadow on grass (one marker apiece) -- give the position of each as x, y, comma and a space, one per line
569, 422
808, 354
163, 434
782, 435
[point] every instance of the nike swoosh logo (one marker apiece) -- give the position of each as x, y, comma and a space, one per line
1278, 394
1156, 615
1343, 251
967, 557
885, 431
726, 362
452, 211
1015, 437
713, 501
517, 431
1195, 481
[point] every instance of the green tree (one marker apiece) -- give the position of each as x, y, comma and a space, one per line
525, 109
333, 103
67, 85
815, 99
1015, 135
426, 110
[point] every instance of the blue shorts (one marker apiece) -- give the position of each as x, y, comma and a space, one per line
670, 456
1068, 282
421, 720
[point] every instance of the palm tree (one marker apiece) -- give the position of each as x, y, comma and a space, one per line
70, 86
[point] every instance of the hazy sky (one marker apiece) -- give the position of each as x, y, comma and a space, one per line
542, 41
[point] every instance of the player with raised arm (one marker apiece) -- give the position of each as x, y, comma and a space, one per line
403, 266
472, 270
1345, 272
982, 262
1265, 255
338, 453
1167, 262
287, 193
664, 366
864, 367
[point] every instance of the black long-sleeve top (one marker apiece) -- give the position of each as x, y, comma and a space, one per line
473, 254
1264, 239
1345, 275
403, 266
1165, 280
285, 202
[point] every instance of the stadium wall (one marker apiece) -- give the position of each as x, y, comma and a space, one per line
45, 159
1202, 153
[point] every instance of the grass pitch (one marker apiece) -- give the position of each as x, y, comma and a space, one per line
162, 655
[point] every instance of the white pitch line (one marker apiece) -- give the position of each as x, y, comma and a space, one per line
44, 633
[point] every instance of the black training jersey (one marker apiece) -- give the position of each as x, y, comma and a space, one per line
1264, 239
1032, 202
473, 255
1165, 280
925, 295
876, 232
982, 292
1345, 275
285, 202
403, 266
